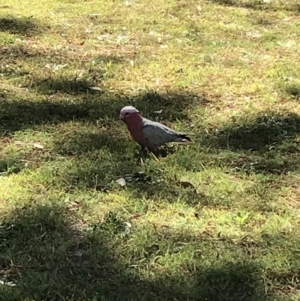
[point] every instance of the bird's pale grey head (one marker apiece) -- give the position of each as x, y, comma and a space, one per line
126, 111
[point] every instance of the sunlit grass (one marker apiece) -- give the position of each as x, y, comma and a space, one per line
214, 220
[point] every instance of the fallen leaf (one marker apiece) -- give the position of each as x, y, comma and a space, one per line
121, 182
254, 34
127, 226
103, 37
38, 145
96, 88
7, 283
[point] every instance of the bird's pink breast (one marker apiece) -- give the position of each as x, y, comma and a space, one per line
135, 127
137, 133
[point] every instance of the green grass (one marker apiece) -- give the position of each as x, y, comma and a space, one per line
215, 220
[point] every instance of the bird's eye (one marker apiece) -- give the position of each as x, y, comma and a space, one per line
126, 114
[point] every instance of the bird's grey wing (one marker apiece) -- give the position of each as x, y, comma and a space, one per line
158, 134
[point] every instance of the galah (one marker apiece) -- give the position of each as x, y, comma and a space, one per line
149, 133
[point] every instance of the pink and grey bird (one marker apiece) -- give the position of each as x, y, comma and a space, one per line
149, 133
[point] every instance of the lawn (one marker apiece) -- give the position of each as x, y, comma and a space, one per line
217, 219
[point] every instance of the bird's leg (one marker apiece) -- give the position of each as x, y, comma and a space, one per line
154, 153
142, 150
154, 157
141, 154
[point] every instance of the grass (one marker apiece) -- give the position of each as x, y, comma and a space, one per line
215, 220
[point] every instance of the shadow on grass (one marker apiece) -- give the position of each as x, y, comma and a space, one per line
24, 26
17, 114
96, 144
291, 6
10, 166
47, 253
46, 70
267, 143
293, 90
67, 86
51, 55
259, 133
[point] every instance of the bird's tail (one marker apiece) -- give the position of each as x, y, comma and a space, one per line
183, 138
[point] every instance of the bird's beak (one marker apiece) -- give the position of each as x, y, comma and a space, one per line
121, 117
